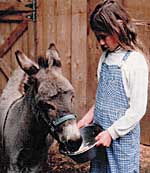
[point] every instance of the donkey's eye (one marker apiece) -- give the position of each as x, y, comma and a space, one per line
46, 106
54, 97
72, 98
51, 107
65, 92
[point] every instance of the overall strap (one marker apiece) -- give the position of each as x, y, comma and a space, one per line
126, 55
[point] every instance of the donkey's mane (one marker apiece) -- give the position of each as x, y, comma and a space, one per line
27, 84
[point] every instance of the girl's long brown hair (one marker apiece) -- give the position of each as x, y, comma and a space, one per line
105, 18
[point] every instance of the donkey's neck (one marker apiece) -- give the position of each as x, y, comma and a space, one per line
26, 139
35, 144
35, 129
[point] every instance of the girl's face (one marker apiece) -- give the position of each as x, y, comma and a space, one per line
107, 41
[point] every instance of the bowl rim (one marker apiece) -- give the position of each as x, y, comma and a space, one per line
76, 153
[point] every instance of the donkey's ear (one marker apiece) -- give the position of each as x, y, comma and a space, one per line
26, 64
52, 55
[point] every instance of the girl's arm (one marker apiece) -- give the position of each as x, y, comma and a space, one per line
87, 119
138, 90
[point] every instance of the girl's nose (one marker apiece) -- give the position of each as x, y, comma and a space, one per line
102, 42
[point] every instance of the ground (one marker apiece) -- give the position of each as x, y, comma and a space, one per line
144, 159
62, 164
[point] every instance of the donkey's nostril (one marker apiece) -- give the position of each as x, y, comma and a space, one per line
74, 145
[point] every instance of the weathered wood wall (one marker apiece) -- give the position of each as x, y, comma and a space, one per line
26, 43
66, 23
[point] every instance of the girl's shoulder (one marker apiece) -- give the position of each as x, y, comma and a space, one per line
136, 60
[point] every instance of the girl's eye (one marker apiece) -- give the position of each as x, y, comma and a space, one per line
101, 37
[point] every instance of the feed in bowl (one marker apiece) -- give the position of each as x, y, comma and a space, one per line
87, 150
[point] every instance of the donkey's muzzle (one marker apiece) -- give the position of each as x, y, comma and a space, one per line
74, 145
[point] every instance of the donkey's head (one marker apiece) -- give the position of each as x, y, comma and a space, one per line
53, 97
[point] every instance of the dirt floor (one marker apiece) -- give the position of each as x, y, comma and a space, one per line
144, 159
59, 163
62, 164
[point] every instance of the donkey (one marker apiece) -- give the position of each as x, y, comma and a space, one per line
46, 107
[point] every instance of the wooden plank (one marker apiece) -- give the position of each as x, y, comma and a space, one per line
49, 23
15, 18
52, 22
24, 40
79, 7
5, 31
138, 9
79, 54
39, 26
144, 34
19, 30
5, 68
31, 38
93, 54
3, 81
31, 41
64, 35
18, 45
11, 7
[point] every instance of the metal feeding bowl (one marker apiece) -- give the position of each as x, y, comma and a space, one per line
87, 150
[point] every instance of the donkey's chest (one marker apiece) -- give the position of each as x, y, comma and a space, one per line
28, 160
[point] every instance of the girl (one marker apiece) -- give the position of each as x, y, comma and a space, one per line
121, 97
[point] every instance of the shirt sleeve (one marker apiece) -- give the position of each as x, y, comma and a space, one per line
138, 90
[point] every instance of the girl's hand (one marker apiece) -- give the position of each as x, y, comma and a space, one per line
87, 119
83, 122
103, 138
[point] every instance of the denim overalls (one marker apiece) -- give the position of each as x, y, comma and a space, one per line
111, 104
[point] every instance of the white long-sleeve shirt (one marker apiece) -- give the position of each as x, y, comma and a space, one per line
135, 80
